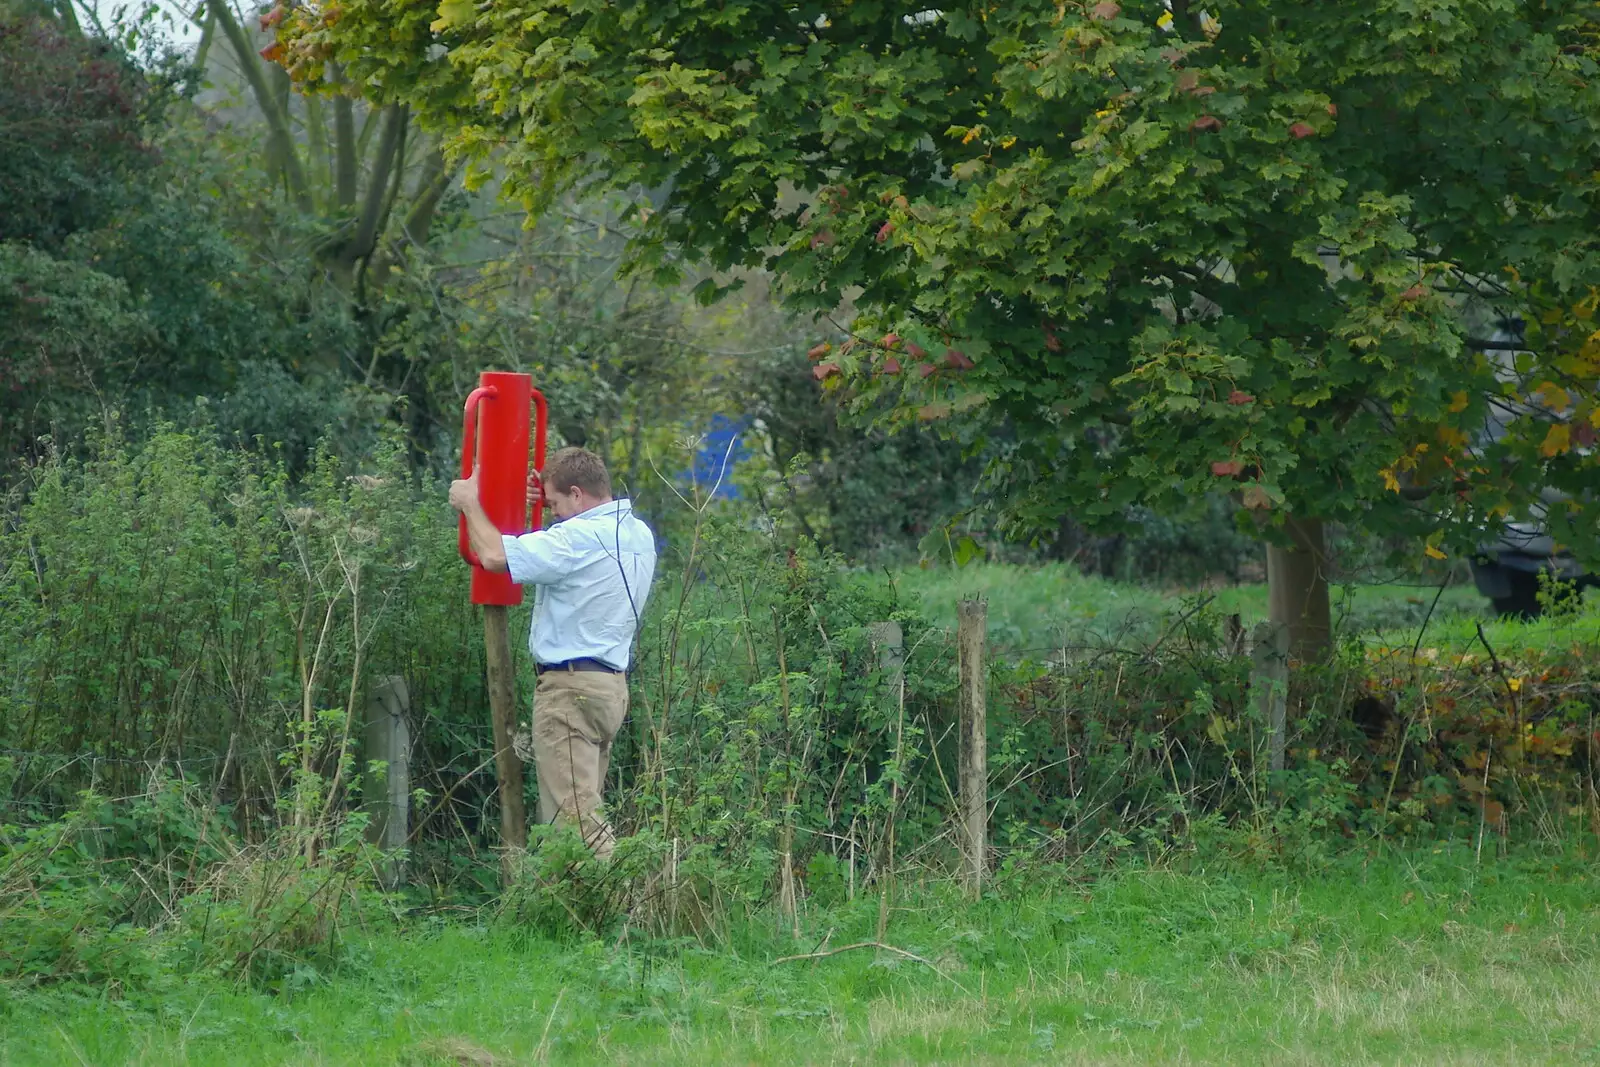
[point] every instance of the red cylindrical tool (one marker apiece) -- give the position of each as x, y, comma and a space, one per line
495, 443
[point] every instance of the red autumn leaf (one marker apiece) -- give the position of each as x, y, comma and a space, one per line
1583, 435
1226, 468
1172, 55
914, 350
1206, 123
821, 239
1301, 131
272, 53
1106, 10
1416, 292
1238, 398
1333, 111
924, 369
884, 231
891, 366
824, 370
956, 358
272, 18
889, 340
816, 352
1051, 341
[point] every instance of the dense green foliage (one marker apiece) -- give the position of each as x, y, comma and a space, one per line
1171, 251
74, 125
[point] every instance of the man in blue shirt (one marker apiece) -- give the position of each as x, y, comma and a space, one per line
592, 571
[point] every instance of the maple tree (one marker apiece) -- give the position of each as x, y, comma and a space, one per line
1172, 250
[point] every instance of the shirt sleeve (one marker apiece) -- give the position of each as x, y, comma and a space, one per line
542, 557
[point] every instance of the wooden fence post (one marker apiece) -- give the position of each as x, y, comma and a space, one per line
503, 713
387, 802
888, 640
1269, 685
971, 620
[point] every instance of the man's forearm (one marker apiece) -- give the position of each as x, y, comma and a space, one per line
485, 539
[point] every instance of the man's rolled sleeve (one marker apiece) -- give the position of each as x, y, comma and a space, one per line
540, 558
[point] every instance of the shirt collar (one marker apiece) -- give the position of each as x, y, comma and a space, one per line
621, 508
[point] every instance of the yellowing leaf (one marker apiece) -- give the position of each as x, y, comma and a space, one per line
1557, 441
453, 13
1555, 397
1390, 482
1434, 553
971, 135
1458, 401
1515, 684
1007, 142
1165, 21
1217, 730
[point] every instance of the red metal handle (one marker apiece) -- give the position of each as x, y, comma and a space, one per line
541, 413
469, 459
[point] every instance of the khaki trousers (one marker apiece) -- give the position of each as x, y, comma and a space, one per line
576, 716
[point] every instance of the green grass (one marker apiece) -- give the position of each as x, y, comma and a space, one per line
1433, 955
1041, 608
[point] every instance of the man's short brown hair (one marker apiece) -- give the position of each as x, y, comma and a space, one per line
578, 467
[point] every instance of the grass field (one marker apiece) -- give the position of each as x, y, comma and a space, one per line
1037, 609
1437, 955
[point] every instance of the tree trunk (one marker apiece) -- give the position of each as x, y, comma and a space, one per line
346, 160
1297, 589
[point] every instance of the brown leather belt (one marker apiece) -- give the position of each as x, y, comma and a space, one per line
582, 664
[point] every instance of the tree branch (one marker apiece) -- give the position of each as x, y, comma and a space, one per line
281, 143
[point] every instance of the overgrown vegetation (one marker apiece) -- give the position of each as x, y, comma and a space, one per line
772, 761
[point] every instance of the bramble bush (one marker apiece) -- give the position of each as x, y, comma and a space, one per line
132, 893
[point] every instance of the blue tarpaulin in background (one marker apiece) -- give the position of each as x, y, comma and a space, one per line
721, 450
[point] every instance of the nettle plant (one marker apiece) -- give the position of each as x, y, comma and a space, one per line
1170, 251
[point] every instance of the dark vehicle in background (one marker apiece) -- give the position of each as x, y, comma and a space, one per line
1508, 569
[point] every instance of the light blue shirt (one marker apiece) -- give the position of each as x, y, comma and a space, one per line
593, 574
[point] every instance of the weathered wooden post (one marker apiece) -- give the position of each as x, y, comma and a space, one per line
503, 715
888, 640
971, 623
386, 799
1269, 684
